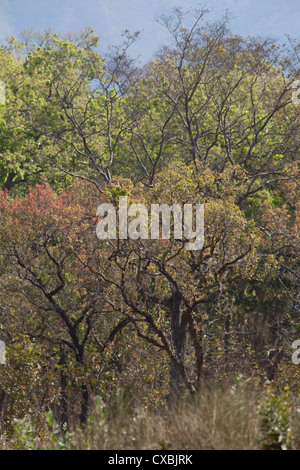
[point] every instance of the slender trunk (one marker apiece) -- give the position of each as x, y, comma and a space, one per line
197, 340
226, 339
84, 394
84, 405
4, 397
178, 340
64, 416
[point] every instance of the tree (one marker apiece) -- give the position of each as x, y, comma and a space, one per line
63, 108
64, 310
167, 290
209, 120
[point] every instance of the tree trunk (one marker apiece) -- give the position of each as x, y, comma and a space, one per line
227, 339
84, 394
4, 397
64, 417
84, 405
178, 335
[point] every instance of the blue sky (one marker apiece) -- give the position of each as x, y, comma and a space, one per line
249, 17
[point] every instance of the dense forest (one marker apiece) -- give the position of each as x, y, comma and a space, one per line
134, 331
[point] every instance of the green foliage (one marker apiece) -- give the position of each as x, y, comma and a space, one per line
209, 121
60, 438
275, 421
25, 434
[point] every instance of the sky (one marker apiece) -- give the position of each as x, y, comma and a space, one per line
271, 18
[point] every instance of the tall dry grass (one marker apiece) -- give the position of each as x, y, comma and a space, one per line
240, 416
214, 420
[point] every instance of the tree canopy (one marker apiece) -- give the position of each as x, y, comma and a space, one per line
209, 120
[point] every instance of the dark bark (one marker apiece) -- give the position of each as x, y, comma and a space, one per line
4, 397
84, 405
227, 339
178, 335
9, 183
64, 416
